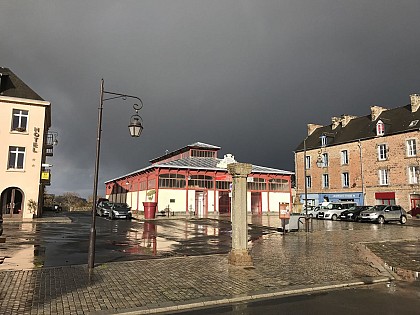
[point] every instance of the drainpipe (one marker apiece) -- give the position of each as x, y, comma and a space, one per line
361, 171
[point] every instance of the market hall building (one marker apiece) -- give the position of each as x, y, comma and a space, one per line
193, 180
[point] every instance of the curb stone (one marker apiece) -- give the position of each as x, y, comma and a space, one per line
194, 305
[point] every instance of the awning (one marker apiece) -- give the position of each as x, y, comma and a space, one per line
385, 195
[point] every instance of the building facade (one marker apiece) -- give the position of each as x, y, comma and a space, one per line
370, 160
25, 119
194, 180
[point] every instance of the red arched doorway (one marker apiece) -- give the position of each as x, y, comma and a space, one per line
12, 202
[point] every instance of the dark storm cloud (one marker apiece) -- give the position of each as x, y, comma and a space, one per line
245, 75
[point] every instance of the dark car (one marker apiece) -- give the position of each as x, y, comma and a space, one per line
353, 214
119, 211
102, 209
415, 211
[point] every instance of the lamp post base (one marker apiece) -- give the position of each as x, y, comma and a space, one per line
91, 254
240, 258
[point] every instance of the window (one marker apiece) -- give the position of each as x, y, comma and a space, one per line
223, 185
413, 174
308, 181
382, 152
411, 147
202, 153
383, 177
308, 162
171, 181
380, 128
344, 157
20, 120
256, 184
200, 181
278, 185
325, 181
324, 159
345, 179
16, 157
324, 140
413, 123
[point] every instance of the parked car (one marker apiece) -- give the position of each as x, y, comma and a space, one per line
119, 211
353, 214
102, 209
415, 211
332, 210
312, 212
384, 213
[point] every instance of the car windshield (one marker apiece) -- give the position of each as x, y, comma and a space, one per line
120, 206
378, 208
106, 204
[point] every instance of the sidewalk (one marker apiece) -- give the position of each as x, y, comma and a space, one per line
295, 263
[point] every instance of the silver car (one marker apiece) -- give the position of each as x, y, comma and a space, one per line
120, 211
102, 209
383, 214
312, 212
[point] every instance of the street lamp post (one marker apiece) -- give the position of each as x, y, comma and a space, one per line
319, 164
135, 127
306, 186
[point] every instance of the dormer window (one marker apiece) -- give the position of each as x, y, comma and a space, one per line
380, 128
324, 140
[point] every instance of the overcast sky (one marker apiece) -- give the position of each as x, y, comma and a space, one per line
243, 75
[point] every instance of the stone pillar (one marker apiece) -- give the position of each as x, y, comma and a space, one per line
239, 255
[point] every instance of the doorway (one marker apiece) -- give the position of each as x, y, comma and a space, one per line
256, 203
12, 203
200, 203
224, 202
414, 201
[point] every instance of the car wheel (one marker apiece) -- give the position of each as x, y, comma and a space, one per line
403, 219
381, 220
334, 217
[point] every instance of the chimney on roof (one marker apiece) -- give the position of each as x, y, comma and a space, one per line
345, 119
415, 102
335, 122
312, 128
376, 111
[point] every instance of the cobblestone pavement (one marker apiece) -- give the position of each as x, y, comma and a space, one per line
295, 262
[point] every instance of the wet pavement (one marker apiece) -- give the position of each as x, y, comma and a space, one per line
59, 243
332, 255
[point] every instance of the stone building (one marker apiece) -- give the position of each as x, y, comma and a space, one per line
25, 142
370, 160
193, 179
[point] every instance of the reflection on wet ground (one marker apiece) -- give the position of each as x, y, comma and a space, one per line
40, 245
